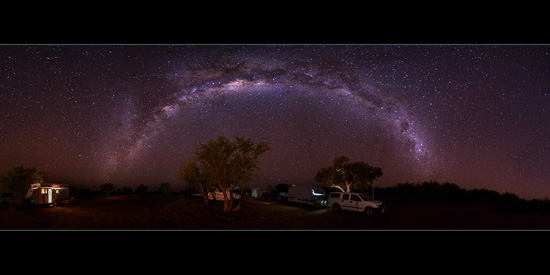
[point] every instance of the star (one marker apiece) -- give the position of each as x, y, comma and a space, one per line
421, 112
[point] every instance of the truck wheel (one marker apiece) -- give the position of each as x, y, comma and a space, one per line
336, 207
369, 211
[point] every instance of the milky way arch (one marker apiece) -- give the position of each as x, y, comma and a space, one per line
198, 82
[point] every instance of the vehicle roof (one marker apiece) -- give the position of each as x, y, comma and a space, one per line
51, 185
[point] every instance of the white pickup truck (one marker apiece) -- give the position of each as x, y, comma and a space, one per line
357, 202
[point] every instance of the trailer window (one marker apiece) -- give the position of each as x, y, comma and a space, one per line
43, 191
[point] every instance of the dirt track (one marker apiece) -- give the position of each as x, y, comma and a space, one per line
180, 212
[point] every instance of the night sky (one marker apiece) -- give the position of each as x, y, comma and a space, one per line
474, 115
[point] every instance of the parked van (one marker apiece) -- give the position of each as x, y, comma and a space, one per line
310, 195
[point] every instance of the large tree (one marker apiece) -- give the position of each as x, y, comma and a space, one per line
20, 178
230, 163
348, 174
194, 177
107, 188
246, 161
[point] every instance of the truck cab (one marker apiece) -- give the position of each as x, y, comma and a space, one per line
357, 202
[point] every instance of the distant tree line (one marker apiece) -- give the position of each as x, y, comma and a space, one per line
241, 160
108, 188
433, 191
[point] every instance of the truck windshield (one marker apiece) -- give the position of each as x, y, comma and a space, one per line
364, 197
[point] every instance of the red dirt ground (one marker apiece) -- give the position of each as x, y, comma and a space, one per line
178, 212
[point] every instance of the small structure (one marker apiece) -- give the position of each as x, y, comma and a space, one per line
47, 194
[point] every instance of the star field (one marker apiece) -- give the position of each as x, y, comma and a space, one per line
474, 115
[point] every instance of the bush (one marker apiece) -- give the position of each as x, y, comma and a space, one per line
164, 188
141, 189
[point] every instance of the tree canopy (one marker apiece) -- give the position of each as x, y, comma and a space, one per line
107, 188
20, 178
194, 177
346, 174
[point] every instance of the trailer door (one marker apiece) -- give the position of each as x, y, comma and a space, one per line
49, 195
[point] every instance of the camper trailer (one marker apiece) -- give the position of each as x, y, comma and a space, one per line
50, 194
310, 195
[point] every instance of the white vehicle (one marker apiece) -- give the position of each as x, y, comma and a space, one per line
7, 198
357, 202
310, 195
218, 195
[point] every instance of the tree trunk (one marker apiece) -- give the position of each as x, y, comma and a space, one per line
204, 196
240, 205
230, 199
226, 201
226, 205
